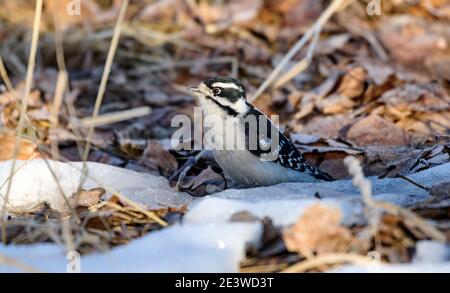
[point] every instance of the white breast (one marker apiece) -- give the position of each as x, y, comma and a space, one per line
239, 164
247, 169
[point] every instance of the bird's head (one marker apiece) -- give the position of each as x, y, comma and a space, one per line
221, 93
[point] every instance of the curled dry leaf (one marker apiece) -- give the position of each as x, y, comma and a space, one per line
207, 182
318, 231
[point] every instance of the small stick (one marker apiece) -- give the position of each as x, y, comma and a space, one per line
328, 259
331, 9
110, 118
428, 189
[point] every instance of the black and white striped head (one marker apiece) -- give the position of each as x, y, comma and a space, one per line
222, 93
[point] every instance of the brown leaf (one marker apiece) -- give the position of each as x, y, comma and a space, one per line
308, 101
326, 126
318, 231
374, 130
352, 84
335, 104
389, 161
327, 154
89, 198
205, 183
421, 97
158, 158
414, 42
8, 140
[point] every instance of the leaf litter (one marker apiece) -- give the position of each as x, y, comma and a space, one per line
377, 89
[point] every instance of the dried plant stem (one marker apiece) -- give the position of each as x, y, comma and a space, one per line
414, 219
24, 104
372, 211
61, 86
413, 182
302, 64
114, 117
5, 77
324, 17
374, 207
21, 266
106, 72
123, 198
328, 259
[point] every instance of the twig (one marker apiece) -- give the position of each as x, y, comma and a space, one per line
413, 182
106, 72
373, 213
61, 85
21, 266
24, 106
110, 118
412, 218
375, 206
331, 9
328, 259
302, 64
5, 77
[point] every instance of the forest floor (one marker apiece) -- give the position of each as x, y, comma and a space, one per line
105, 85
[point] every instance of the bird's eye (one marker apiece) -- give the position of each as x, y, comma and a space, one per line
216, 91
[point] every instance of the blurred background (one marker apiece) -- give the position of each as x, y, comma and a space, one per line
372, 81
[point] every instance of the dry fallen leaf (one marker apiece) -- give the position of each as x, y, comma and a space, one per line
352, 84
8, 140
318, 231
88, 198
155, 156
374, 130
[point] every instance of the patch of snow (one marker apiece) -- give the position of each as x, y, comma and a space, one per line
282, 212
34, 183
205, 241
431, 252
179, 248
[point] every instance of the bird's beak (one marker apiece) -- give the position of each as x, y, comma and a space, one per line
202, 89
193, 90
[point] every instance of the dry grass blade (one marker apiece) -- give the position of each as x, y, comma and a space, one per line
61, 85
414, 219
324, 17
302, 64
21, 266
24, 105
329, 259
375, 207
113, 117
106, 72
5, 77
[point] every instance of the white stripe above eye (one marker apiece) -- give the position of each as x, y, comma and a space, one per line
227, 85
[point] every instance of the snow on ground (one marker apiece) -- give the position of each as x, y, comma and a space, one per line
34, 183
205, 241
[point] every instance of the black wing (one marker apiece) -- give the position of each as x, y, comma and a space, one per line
282, 151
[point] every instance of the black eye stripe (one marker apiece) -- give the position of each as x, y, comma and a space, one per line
231, 94
228, 109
